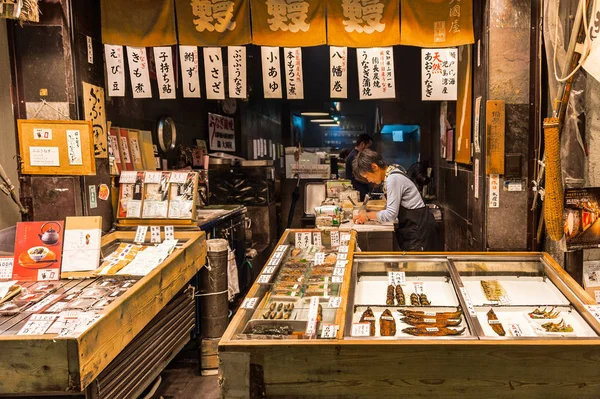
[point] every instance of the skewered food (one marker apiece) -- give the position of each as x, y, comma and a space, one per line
495, 323
320, 314
389, 300
433, 315
424, 301
493, 290
369, 316
272, 330
387, 324
415, 300
431, 322
432, 331
400, 296
544, 314
560, 327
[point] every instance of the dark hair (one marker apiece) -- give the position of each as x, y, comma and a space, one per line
364, 161
344, 154
363, 138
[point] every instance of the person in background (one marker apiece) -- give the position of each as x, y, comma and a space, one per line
416, 225
363, 142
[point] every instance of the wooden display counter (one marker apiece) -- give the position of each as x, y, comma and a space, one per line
474, 365
52, 365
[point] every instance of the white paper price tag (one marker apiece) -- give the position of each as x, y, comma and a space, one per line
432, 329
468, 301
329, 330
317, 240
152, 177
361, 329
249, 303
319, 258
337, 279
264, 279
303, 240
339, 271
140, 235
341, 263
418, 288
343, 248
313, 310
6, 268
504, 300
594, 310
344, 238
492, 322
282, 248
396, 278
155, 234
127, 177
269, 270
335, 238
334, 302
515, 330
342, 256
274, 262
169, 233
596, 293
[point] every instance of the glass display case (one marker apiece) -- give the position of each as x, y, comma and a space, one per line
247, 185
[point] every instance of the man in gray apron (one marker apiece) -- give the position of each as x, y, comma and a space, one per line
416, 225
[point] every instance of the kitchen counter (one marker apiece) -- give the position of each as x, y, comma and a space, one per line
369, 226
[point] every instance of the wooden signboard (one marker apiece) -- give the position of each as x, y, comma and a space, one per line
495, 128
56, 147
462, 147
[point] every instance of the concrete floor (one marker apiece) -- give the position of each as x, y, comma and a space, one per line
185, 383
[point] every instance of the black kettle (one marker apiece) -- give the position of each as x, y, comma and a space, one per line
50, 236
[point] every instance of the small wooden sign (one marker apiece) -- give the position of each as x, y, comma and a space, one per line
56, 147
495, 129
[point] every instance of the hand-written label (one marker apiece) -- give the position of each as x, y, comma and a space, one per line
430, 321
335, 238
140, 235
341, 263
155, 234
343, 248
596, 293
6, 268
128, 177
431, 314
504, 300
342, 256
515, 330
249, 303
303, 240
329, 330
319, 258
282, 248
334, 302
468, 301
418, 288
169, 233
361, 329
339, 271
492, 322
264, 279
313, 310
345, 238
432, 329
594, 310
274, 262
396, 278
269, 270
317, 240
337, 279
152, 177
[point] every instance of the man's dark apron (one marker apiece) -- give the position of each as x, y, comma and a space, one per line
416, 227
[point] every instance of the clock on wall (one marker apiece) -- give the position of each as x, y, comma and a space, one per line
229, 106
167, 133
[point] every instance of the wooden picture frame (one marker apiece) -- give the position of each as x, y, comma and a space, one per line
61, 147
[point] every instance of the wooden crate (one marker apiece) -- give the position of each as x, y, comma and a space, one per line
209, 356
48, 364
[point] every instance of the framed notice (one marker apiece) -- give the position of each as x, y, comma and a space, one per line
56, 147
221, 133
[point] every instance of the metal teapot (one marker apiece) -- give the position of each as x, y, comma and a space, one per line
50, 236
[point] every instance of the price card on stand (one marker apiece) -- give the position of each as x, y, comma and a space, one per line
335, 238
319, 258
6, 268
128, 177
303, 240
169, 233
418, 285
361, 329
140, 235
334, 302
317, 240
329, 330
515, 330
397, 278
249, 303
343, 248
155, 234
37, 324
313, 311
468, 301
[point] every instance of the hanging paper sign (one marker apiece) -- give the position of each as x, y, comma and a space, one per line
494, 191
288, 22
495, 116
293, 73
115, 70
163, 57
437, 23
376, 73
439, 69
271, 72
139, 72
221, 133
237, 72
360, 23
188, 57
338, 73
213, 22
213, 73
